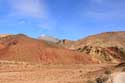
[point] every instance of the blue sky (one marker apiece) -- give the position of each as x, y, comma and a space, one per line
70, 19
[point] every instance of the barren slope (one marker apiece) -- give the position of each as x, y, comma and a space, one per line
23, 48
106, 39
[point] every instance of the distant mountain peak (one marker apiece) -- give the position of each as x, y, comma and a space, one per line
49, 38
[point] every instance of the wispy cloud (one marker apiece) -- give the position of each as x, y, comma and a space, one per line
34, 8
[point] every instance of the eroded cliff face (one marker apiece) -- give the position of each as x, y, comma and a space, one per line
104, 55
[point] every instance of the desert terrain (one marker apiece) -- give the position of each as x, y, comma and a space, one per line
21, 72
95, 59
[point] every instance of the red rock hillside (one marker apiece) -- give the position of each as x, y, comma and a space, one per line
22, 48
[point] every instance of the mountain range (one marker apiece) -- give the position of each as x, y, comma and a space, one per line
108, 47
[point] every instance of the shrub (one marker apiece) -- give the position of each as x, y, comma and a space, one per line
107, 72
102, 79
99, 80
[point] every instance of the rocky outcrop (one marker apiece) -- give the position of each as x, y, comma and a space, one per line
104, 55
66, 43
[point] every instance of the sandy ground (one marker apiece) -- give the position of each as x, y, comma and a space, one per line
11, 72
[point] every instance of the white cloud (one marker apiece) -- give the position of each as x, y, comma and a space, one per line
34, 8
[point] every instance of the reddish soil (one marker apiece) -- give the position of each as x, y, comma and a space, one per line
23, 48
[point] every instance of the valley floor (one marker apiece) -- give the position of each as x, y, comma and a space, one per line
18, 72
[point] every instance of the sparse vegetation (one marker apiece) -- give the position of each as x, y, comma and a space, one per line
103, 78
107, 72
99, 80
